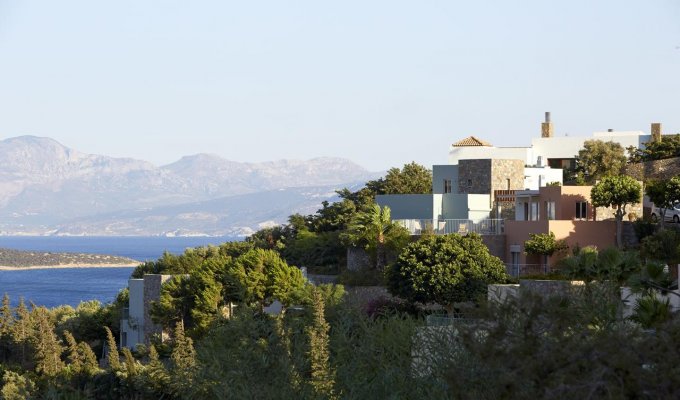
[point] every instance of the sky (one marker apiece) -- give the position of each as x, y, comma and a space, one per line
381, 83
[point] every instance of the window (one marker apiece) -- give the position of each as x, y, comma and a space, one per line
581, 210
526, 211
550, 210
447, 185
123, 339
469, 183
534, 211
515, 263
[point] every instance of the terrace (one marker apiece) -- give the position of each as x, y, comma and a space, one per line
447, 226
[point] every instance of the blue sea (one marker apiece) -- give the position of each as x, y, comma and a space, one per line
53, 287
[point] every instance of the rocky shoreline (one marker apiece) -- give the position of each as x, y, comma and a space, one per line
11, 259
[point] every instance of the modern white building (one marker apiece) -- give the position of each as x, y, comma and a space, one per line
480, 179
547, 150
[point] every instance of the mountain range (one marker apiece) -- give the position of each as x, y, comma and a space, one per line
47, 188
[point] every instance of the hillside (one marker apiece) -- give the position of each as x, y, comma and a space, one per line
48, 188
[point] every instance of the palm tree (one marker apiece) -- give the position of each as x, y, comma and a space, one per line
371, 227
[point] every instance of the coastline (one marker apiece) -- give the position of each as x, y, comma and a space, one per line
62, 266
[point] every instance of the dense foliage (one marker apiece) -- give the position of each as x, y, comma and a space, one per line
589, 264
445, 269
374, 231
412, 178
667, 147
616, 192
598, 159
543, 244
664, 193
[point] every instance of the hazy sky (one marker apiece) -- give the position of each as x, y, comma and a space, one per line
379, 82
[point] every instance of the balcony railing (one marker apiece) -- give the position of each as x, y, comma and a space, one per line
520, 270
446, 226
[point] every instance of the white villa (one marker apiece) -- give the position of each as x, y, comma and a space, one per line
480, 179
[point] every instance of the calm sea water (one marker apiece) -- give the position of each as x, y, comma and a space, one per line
53, 287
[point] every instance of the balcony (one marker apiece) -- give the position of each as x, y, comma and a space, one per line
447, 226
520, 270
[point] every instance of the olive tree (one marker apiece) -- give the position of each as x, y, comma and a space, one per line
445, 269
664, 193
544, 244
616, 192
598, 159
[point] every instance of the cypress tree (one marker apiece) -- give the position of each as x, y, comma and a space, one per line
21, 329
183, 353
6, 323
90, 365
16, 387
156, 372
74, 357
6, 317
322, 377
47, 347
130, 363
113, 356
183, 360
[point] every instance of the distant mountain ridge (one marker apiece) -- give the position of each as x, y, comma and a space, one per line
44, 186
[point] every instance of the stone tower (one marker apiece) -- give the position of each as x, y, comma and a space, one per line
547, 126
656, 131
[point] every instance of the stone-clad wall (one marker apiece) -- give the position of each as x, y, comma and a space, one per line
504, 170
483, 176
474, 176
657, 169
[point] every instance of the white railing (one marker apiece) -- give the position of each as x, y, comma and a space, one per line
446, 226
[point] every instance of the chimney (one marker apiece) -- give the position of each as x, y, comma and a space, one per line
547, 126
656, 131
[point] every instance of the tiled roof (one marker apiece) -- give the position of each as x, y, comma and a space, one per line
471, 141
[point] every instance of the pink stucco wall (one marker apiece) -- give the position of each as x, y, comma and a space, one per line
601, 234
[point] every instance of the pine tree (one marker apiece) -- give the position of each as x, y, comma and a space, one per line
47, 347
113, 356
322, 376
74, 358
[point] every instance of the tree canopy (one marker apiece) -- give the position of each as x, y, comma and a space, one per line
664, 193
616, 192
667, 147
445, 269
598, 159
543, 244
412, 178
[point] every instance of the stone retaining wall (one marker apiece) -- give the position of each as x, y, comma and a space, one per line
657, 169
